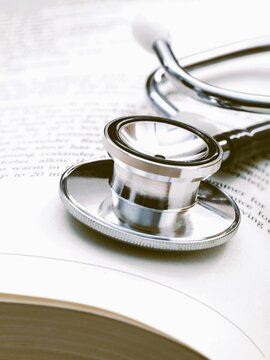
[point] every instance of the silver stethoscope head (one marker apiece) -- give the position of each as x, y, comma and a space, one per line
152, 193
158, 166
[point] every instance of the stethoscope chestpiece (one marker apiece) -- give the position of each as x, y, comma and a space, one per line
152, 192
158, 166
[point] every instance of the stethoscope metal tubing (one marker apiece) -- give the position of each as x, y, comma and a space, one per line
235, 144
199, 90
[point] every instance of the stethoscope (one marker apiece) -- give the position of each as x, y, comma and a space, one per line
152, 192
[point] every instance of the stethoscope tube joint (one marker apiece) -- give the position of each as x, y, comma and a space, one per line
243, 143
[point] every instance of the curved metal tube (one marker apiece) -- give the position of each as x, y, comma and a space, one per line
199, 90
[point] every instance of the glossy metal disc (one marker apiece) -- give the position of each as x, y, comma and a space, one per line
168, 141
86, 193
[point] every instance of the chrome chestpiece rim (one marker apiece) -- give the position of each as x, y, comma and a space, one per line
158, 167
151, 193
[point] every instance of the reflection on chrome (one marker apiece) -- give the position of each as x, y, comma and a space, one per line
163, 140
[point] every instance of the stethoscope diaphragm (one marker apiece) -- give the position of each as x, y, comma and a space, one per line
152, 192
86, 192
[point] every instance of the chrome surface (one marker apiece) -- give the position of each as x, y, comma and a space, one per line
163, 140
150, 203
201, 158
85, 191
178, 72
158, 167
225, 149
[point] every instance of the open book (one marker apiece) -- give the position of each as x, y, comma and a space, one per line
67, 68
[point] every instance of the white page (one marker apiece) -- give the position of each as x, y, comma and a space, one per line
68, 68
126, 296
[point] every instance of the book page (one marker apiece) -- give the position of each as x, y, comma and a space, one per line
69, 67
